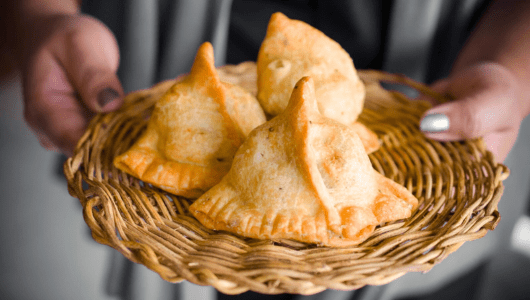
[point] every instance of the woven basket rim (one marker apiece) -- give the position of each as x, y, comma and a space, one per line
459, 185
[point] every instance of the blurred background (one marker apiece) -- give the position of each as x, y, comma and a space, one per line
46, 251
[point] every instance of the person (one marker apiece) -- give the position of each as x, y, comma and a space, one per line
75, 65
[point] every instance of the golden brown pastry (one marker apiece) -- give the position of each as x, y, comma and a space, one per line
305, 177
293, 49
194, 132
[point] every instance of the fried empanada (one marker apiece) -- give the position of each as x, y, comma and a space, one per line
293, 49
194, 132
305, 177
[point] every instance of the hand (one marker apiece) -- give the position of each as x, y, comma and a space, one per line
488, 102
69, 74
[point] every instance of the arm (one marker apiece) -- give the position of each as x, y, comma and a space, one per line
68, 63
502, 36
489, 82
26, 17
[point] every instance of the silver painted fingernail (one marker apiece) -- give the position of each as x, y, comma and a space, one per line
434, 123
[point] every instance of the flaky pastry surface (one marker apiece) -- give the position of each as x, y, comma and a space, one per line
194, 132
305, 177
293, 49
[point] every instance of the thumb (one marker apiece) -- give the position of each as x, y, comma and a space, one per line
439, 87
483, 104
90, 56
457, 120
472, 118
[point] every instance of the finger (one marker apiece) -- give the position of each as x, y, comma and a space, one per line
465, 119
52, 109
439, 87
481, 106
500, 143
60, 129
90, 57
66, 127
46, 143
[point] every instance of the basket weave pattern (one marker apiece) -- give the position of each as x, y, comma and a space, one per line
458, 185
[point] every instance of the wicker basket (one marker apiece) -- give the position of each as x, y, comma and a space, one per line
458, 185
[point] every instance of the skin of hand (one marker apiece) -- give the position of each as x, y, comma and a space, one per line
487, 103
69, 75
488, 82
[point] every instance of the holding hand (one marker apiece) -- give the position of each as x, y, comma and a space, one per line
488, 102
69, 74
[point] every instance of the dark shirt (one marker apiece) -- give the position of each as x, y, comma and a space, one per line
158, 39
361, 27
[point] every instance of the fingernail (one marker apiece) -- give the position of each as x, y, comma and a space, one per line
106, 96
434, 123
